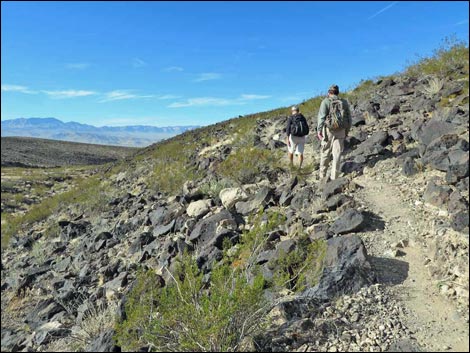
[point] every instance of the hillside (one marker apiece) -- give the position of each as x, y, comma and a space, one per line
34, 152
208, 241
51, 128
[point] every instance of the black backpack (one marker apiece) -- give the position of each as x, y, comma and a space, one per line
299, 126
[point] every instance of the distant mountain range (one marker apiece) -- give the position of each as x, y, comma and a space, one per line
52, 128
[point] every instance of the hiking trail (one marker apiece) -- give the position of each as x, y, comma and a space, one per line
436, 324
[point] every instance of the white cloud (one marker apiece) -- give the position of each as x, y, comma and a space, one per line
201, 101
168, 96
17, 88
207, 76
216, 102
253, 96
71, 93
77, 66
461, 22
121, 95
136, 62
173, 69
383, 10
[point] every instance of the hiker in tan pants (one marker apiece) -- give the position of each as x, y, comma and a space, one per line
332, 142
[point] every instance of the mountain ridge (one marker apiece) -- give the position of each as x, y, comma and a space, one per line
53, 128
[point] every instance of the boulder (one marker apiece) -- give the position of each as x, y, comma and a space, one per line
409, 167
206, 228
163, 229
334, 187
448, 153
437, 195
346, 269
230, 196
302, 198
350, 220
199, 208
261, 199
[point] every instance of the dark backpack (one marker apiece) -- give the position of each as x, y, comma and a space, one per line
337, 119
299, 126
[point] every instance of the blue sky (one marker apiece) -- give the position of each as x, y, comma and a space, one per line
181, 63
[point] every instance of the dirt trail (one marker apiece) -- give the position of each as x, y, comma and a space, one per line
436, 324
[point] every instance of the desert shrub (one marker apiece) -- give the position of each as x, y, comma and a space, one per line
447, 61
189, 315
172, 166
244, 164
253, 241
213, 187
302, 267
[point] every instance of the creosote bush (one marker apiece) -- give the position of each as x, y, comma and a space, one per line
302, 267
190, 315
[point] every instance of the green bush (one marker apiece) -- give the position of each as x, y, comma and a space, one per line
172, 166
246, 163
188, 315
447, 61
253, 241
302, 267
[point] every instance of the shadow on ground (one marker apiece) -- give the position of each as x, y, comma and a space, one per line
389, 271
373, 222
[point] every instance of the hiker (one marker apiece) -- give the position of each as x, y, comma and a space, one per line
296, 130
334, 122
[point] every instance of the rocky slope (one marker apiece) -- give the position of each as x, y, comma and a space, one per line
34, 152
400, 208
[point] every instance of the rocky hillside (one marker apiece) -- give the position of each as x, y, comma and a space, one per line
34, 152
209, 241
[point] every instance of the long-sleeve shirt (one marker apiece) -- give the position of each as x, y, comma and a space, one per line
325, 110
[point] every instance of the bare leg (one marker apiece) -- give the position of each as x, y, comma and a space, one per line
291, 159
301, 159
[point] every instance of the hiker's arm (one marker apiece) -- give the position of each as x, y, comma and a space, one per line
322, 113
288, 127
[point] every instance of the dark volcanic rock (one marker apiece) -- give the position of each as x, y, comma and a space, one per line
163, 230
448, 153
261, 199
350, 221
334, 187
206, 228
409, 167
437, 195
346, 268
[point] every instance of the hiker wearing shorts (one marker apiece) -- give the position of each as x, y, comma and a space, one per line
296, 130
334, 122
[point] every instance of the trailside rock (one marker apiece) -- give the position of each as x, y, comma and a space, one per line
231, 196
346, 268
261, 199
334, 187
437, 195
351, 220
206, 228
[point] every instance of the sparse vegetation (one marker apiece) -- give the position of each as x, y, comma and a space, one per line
171, 164
449, 60
90, 194
302, 267
246, 163
188, 315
